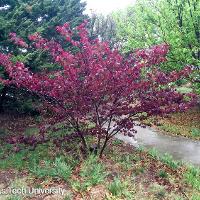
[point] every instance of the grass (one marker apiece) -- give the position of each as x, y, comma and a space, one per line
185, 124
14, 198
192, 176
17, 183
56, 169
168, 160
195, 132
171, 128
92, 171
126, 160
158, 191
162, 174
117, 142
22, 159
175, 130
122, 173
119, 188
165, 158
160, 194
68, 197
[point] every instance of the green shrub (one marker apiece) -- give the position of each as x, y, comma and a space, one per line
195, 132
162, 174
92, 171
121, 188
168, 160
57, 169
116, 187
153, 153
192, 177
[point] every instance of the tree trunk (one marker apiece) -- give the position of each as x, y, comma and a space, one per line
83, 141
104, 146
2, 98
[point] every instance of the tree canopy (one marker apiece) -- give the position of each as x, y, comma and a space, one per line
98, 91
151, 22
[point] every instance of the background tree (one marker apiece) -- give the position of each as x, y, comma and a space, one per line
103, 27
28, 16
152, 22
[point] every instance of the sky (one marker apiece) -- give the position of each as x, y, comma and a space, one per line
107, 6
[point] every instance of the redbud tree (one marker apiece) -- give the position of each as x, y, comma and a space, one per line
98, 91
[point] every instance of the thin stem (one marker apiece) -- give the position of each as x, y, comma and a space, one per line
81, 136
99, 142
2, 98
104, 145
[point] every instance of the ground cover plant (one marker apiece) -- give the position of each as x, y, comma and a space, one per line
98, 91
123, 172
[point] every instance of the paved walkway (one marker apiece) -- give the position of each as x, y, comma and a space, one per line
180, 148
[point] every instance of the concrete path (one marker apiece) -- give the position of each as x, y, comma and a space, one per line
180, 148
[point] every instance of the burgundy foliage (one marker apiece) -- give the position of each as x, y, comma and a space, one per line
99, 91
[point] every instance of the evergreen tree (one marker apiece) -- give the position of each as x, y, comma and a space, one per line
25, 17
